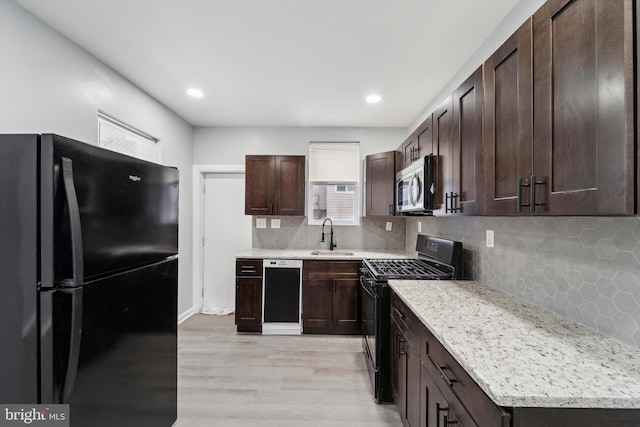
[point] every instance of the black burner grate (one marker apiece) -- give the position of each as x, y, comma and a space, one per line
410, 268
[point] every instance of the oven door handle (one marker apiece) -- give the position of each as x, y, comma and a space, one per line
364, 284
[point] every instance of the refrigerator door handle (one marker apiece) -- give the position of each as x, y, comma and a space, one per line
75, 225
74, 343
73, 286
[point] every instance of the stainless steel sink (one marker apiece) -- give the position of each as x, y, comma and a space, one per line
334, 253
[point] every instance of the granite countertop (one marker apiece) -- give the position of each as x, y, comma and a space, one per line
522, 355
336, 254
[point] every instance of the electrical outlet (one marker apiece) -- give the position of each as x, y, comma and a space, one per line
490, 241
389, 225
275, 223
261, 222
419, 226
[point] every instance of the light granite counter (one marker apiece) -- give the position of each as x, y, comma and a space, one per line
342, 254
522, 355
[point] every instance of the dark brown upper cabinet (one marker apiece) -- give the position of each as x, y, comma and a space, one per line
424, 137
409, 150
466, 193
443, 148
457, 141
381, 171
418, 144
508, 137
274, 185
583, 108
559, 113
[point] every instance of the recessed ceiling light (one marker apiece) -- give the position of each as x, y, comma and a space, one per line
196, 93
373, 98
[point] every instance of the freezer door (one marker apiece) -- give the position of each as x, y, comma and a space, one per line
18, 268
128, 210
126, 371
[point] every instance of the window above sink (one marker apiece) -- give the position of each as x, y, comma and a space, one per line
334, 182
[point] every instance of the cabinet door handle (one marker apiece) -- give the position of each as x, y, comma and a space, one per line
455, 202
446, 202
401, 351
519, 195
438, 410
390, 208
447, 421
444, 376
532, 187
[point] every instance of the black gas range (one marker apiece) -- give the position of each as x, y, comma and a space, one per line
438, 259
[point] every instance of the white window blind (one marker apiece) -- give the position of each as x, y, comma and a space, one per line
117, 136
334, 182
334, 162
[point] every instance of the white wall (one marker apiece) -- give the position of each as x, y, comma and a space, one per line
49, 84
518, 15
229, 145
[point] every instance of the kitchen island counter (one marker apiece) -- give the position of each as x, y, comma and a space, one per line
522, 355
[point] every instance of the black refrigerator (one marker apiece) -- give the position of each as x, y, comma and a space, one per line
88, 281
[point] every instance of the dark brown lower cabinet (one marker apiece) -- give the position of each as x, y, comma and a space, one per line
575, 417
411, 401
424, 375
436, 408
331, 299
317, 305
405, 375
249, 295
346, 306
394, 361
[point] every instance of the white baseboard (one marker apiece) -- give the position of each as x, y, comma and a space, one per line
184, 316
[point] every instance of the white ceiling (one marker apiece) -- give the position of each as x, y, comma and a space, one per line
282, 62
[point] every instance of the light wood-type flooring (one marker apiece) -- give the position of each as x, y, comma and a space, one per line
229, 379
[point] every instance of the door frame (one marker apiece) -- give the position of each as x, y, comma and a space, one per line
199, 172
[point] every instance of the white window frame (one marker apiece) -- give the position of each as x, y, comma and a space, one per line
118, 136
356, 191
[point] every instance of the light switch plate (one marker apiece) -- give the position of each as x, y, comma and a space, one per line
261, 222
389, 225
419, 226
490, 240
275, 223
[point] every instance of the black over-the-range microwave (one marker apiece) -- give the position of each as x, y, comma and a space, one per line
415, 187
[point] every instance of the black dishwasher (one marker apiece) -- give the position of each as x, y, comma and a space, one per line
282, 297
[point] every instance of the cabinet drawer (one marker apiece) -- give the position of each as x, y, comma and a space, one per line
411, 326
331, 269
441, 364
442, 405
249, 267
